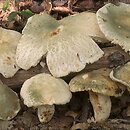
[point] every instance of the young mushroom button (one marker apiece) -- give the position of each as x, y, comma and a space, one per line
67, 45
100, 88
43, 91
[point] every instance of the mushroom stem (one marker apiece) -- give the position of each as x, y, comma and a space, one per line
101, 106
45, 113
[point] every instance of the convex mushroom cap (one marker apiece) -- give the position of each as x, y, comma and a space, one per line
9, 103
66, 43
114, 22
8, 43
42, 90
100, 87
121, 74
97, 81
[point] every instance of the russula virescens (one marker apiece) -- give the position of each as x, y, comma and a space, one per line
114, 22
43, 91
100, 88
67, 44
9, 103
8, 43
121, 75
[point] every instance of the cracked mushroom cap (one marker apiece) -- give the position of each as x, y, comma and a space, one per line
44, 89
67, 47
8, 40
121, 75
9, 103
114, 22
97, 81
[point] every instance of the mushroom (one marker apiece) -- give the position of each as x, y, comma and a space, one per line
114, 22
42, 91
45, 113
100, 88
67, 44
8, 40
92, 30
121, 75
9, 103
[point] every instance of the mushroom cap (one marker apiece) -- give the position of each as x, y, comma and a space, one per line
68, 46
33, 43
45, 89
9, 103
114, 22
97, 81
121, 75
90, 19
8, 41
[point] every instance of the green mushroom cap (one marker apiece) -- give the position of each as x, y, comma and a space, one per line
121, 75
114, 22
9, 103
8, 44
44, 89
67, 43
97, 81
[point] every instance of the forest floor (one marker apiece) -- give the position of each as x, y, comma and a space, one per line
76, 114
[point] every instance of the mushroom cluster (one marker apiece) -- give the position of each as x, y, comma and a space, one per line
67, 45
65, 53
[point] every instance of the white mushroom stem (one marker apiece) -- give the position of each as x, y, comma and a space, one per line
45, 113
101, 106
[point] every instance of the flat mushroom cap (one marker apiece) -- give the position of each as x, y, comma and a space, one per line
114, 22
8, 40
90, 19
122, 75
45, 89
97, 81
68, 48
9, 103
